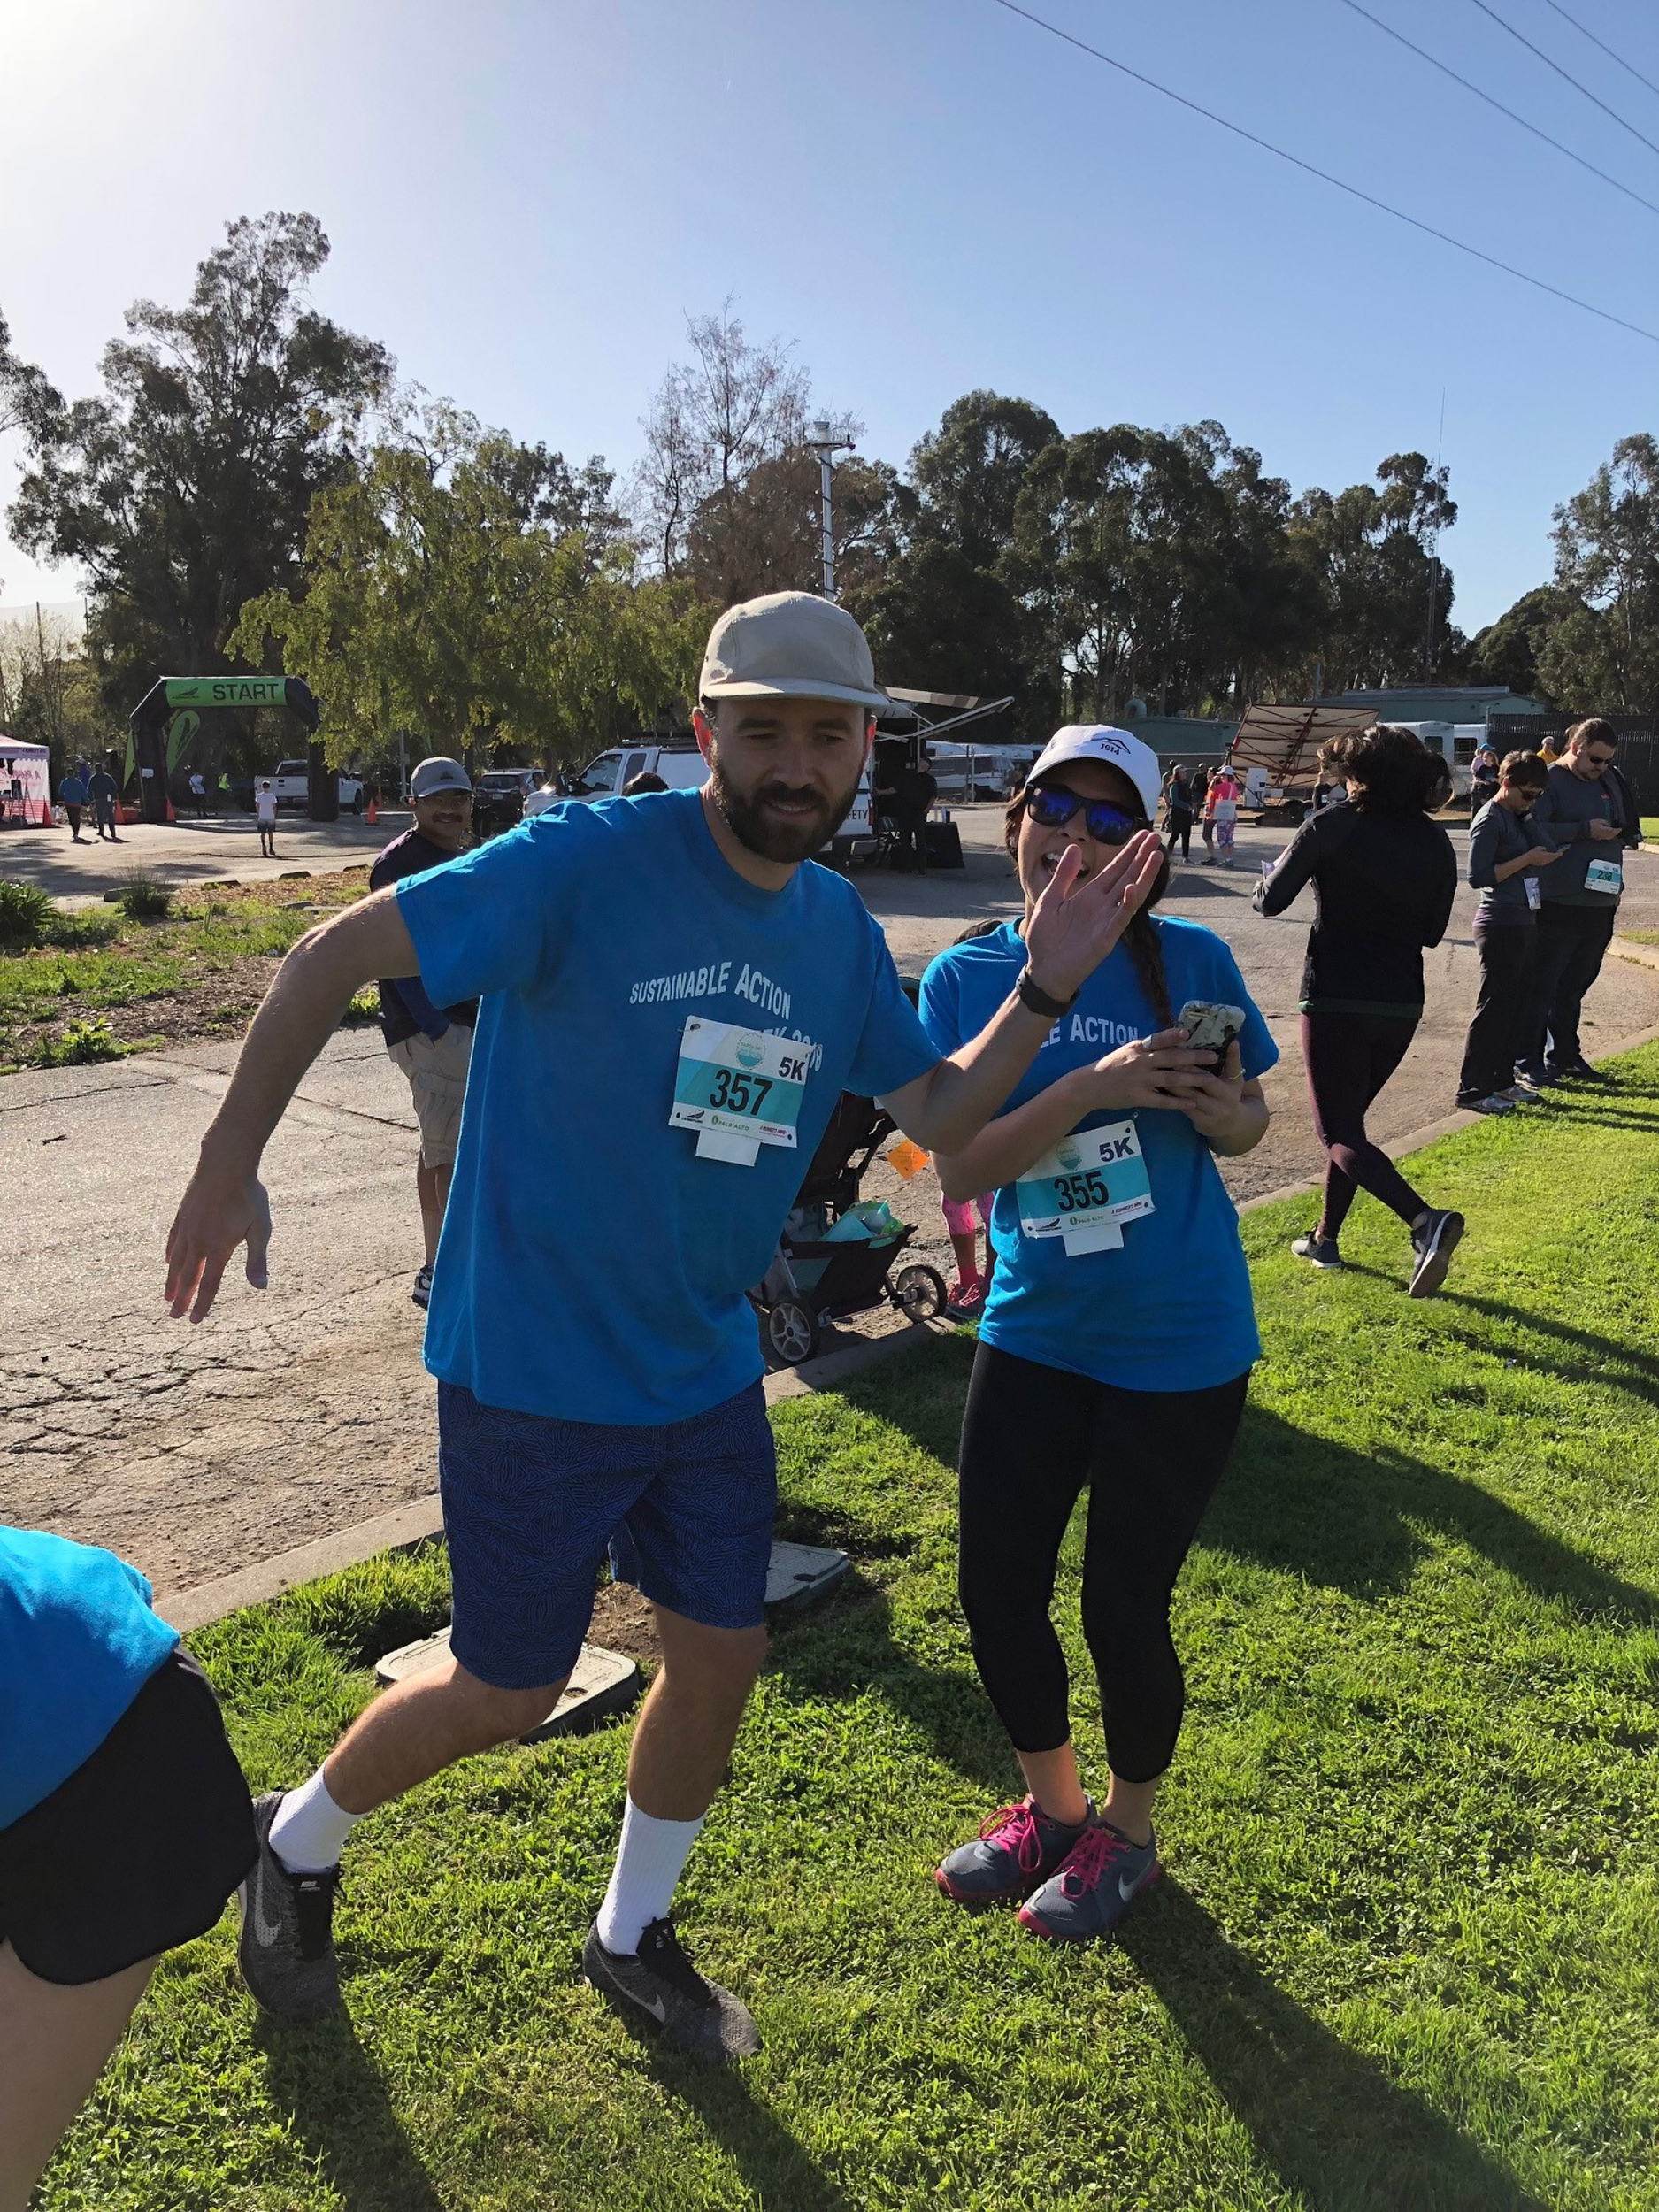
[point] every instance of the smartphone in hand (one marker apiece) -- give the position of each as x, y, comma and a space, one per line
1211, 1026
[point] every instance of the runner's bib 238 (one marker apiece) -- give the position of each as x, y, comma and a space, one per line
1606, 876
738, 1088
1091, 1181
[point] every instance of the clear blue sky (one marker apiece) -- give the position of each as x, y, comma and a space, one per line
924, 194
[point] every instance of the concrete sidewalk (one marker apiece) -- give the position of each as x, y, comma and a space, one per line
191, 1450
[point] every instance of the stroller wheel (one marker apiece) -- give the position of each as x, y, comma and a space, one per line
920, 1291
790, 1331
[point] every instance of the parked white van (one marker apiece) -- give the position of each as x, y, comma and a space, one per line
682, 768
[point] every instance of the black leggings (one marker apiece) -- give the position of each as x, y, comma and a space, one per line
1180, 826
1033, 1437
1348, 1058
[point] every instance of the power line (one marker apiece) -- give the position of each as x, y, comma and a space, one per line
1603, 43
1571, 79
1423, 54
1324, 175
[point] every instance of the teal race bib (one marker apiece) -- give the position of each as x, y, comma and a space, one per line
1606, 876
1081, 1192
738, 1088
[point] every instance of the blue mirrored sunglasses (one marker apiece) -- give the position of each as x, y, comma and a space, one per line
1052, 808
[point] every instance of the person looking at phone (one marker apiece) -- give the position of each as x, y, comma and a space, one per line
1588, 811
1504, 860
1115, 1343
1384, 876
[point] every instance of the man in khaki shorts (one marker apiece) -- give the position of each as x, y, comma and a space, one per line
431, 1044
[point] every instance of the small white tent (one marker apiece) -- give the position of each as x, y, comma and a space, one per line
25, 795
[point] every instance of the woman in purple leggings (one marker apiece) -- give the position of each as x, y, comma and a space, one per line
1383, 876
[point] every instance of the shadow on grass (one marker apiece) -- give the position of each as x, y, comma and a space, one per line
1329, 2122
771, 2161
848, 1644
334, 2094
1601, 1348
1308, 1505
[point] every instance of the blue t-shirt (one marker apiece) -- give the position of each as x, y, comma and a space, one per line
1171, 1308
592, 1265
78, 1641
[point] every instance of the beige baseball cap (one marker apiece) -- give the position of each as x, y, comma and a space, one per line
789, 645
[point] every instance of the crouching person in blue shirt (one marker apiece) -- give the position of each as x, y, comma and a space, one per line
125, 1825
671, 1004
1116, 1347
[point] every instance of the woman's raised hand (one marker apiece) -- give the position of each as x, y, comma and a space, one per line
1072, 929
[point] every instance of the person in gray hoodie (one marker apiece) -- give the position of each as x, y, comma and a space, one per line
1504, 860
1585, 812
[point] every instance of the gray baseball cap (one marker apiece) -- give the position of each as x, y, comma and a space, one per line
789, 645
438, 773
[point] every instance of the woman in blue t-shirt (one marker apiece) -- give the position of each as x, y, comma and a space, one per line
1116, 1346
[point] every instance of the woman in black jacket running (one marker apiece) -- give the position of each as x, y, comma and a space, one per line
1384, 876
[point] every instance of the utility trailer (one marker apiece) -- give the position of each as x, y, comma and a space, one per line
1275, 754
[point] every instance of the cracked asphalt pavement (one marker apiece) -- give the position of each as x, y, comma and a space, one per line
296, 1412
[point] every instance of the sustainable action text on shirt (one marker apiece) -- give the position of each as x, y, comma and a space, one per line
593, 1264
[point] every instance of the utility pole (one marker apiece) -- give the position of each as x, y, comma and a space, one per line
823, 440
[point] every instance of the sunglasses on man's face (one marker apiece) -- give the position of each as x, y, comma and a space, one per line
1601, 760
1105, 821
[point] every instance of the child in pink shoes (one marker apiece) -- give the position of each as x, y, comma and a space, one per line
966, 1300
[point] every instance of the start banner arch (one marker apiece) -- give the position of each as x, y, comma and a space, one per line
170, 713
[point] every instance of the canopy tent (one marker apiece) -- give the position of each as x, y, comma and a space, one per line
26, 794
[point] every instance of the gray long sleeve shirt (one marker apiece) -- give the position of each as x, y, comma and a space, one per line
1562, 817
1496, 835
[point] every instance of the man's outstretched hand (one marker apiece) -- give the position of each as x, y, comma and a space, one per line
1072, 929
220, 1210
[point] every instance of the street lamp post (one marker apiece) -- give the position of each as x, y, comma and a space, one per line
824, 442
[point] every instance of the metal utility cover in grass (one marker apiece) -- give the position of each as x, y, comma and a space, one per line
798, 1573
602, 1683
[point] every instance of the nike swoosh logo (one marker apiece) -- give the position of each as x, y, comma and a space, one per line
1126, 1890
267, 1931
655, 2005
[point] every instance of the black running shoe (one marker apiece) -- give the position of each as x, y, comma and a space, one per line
661, 1984
287, 1951
1433, 1243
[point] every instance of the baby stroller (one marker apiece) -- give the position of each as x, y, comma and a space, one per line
811, 1281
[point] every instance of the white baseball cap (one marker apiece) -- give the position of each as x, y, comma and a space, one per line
1132, 756
789, 645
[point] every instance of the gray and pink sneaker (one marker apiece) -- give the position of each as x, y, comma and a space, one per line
1089, 1894
1015, 1851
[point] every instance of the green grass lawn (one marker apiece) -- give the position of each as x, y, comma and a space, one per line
1650, 825
1406, 1953
196, 975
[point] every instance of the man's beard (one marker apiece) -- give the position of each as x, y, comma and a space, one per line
764, 834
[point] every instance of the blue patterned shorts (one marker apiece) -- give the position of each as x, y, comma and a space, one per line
531, 1505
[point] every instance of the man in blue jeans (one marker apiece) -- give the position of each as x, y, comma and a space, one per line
670, 1005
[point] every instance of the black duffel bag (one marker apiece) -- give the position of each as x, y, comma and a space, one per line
944, 846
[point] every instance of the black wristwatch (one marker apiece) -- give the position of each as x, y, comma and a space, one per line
1031, 993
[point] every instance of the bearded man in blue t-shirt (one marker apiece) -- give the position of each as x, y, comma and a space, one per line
670, 1005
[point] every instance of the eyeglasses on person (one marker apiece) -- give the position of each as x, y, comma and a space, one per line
1052, 807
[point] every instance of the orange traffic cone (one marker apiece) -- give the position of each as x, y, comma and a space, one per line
369, 814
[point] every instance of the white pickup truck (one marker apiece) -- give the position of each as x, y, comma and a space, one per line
682, 768
292, 783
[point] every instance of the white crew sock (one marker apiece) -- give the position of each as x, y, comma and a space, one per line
648, 1860
310, 1830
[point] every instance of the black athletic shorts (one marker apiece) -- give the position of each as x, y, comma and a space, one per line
138, 1850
